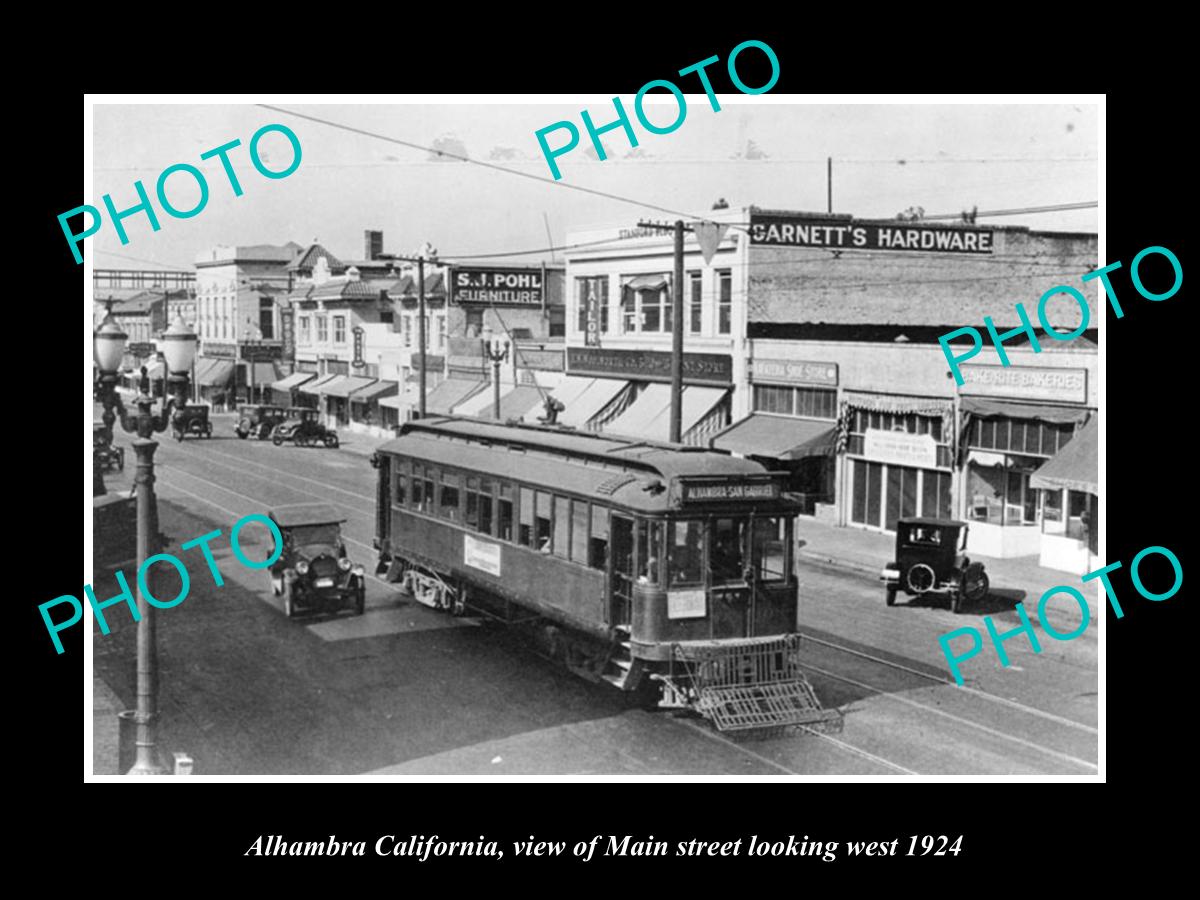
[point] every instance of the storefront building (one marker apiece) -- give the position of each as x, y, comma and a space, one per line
619, 326
855, 330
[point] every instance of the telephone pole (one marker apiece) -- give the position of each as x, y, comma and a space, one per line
676, 413
420, 261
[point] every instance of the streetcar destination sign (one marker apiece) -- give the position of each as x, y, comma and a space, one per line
702, 491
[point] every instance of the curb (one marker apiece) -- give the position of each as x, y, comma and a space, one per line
841, 563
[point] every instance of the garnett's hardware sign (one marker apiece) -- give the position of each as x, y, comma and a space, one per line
795, 231
699, 492
649, 365
501, 287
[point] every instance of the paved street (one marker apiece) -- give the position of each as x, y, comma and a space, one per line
408, 691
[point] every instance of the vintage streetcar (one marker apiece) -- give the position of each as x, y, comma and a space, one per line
655, 567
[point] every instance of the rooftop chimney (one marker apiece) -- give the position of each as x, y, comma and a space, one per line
373, 242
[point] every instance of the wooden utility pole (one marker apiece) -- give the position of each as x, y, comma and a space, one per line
676, 411
829, 181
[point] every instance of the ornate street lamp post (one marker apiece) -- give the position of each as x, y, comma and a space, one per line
178, 345
496, 350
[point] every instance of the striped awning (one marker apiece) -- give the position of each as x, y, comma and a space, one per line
1076, 466
217, 374
592, 401
293, 381
778, 437
376, 391
346, 385
314, 387
449, 394
649, 415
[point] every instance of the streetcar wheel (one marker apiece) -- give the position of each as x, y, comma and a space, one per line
890, 596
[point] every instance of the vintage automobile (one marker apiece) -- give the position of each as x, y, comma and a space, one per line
191, 419
106, 456
258, 420
303, 427
929, 558
313, 571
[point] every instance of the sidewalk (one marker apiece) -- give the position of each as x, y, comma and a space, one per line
361, 444
867, 552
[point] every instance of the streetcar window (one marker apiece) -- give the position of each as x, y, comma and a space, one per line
562, 526
485, 506
472, 516
650, 547
504, 519
543, 522
525, 534
448, 508
770, 549
400, 491
725, 549
418, 488
687, 553
598, 553
579, 531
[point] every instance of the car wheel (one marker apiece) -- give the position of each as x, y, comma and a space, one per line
179, 436
956, 600
277, 441
241, 434
978, 588
331, 440
890, 596
276, 584
360, 599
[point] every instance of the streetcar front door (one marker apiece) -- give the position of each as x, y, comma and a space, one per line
620, 610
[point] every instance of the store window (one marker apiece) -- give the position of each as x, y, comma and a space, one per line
811, 403
646, 305
724, 301
1005, 452
695, 308
882, 493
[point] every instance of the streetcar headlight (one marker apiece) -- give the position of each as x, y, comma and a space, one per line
344, 564
302, 567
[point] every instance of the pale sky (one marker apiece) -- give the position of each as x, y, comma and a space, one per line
771, 154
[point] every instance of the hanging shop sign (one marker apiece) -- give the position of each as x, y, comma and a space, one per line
900, 448
358, 332
835, 234
495, 286
287, 331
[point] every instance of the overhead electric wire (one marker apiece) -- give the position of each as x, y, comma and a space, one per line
487, 165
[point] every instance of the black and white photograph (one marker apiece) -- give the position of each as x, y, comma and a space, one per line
716, 436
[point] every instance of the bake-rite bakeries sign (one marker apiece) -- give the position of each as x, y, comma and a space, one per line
1025, 382
495, 286
649, 365
834, 234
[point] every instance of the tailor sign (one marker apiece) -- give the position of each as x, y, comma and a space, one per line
842, 234
649, 365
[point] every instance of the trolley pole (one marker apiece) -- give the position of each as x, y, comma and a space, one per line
677, 337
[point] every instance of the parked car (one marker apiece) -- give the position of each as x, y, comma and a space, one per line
258, 420
191, 419
303, 427
105, 455
313, 571
930, 558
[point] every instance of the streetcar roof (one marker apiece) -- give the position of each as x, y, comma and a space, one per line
624, 472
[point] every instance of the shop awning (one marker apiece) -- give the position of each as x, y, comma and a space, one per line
217, 374
263, 374
571, 388
293, 381
517, 403
201, 365
400, 401
778, 437
315, 386
649, 415
598, 395
449, 394
376, 391
1076, 466
347, 385
647, 283
987, 409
